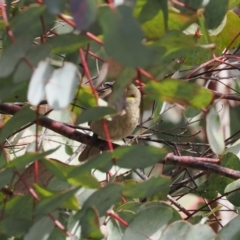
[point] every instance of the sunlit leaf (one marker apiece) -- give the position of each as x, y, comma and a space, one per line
177, 91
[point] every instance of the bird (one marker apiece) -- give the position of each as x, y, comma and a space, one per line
119, 126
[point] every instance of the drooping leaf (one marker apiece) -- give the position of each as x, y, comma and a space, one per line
122, 35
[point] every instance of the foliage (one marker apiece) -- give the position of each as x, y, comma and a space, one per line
55, 56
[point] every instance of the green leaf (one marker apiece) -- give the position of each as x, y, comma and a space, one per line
67, 43
84, 13
185, 231
64, 172
123, 35
138, 156
175, 43
233, 197
233, 3
90, 225
231, 230
215, 132
85, 97
117, 97
102, 200
28, 23
41, 229
102, 162
22, 161
5, 177
148, 224
44, 193
23, 116
15, 226
191, 112
223, 39
12, 209
151, 13
177, 91
68, 150
180, 228
147, 188
214, 13
95, 113
48, 204
13, 54
34, 55
55, 7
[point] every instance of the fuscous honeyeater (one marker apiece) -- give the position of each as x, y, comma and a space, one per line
120, 126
